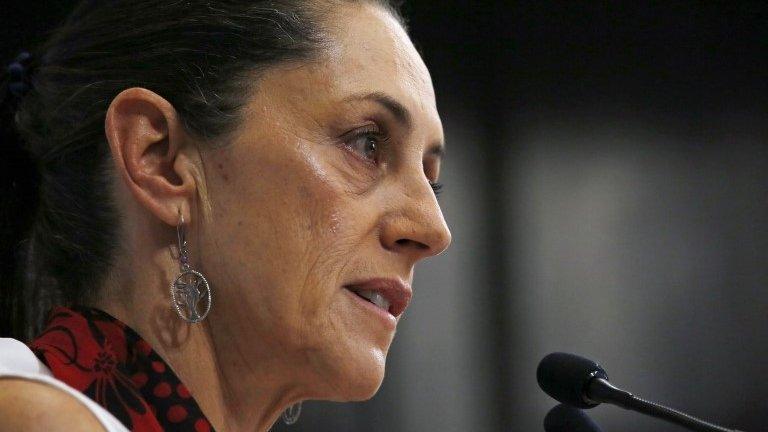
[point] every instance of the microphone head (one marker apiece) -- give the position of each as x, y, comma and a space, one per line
564, 418
565, 377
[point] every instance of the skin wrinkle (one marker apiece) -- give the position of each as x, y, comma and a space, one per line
283, 217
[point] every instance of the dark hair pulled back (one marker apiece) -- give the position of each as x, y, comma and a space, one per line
59, 226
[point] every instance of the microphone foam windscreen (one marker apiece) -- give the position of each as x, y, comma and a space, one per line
564, 418
565, 377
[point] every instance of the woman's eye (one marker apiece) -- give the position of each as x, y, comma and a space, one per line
366, 144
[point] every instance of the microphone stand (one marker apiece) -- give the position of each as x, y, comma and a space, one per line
600, 390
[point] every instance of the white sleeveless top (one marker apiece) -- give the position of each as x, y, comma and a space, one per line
18, 361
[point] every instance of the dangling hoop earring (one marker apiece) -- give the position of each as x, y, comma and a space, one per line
190, 287
291, 415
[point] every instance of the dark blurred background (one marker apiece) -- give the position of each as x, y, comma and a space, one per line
606, 188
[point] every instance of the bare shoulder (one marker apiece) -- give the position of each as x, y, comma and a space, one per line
32, 406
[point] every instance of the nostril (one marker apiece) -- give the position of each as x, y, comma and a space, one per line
413, 243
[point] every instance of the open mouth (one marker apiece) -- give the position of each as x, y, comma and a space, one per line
371, 296
387, 294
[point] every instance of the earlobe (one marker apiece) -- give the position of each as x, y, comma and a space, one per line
147, 143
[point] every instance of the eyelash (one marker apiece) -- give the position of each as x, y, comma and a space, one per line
369, 133
381, 138
437, 188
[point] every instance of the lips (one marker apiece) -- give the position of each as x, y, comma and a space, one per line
390, 295
375, 298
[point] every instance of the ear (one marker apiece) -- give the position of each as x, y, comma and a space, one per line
146, 139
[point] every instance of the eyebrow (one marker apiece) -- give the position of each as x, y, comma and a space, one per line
437, 149
398, 110
401, 114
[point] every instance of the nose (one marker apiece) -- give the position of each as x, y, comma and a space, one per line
416, 226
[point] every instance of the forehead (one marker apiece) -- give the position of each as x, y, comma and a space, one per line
368, 52
370, 48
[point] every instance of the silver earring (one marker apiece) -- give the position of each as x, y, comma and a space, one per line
291, 415
190, 288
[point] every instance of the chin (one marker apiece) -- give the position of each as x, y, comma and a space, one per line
361, 379
362, 390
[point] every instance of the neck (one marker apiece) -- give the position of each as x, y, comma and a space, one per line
235, 393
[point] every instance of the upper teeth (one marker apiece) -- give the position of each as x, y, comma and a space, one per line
375, 298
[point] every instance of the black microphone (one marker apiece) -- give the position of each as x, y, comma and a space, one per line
582, 383
564, 418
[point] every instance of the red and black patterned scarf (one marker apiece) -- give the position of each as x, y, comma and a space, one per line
106, 360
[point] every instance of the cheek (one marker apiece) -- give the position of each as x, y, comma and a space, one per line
283, 229
332, 240
287, 233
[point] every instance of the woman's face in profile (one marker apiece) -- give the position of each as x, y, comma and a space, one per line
323, 194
